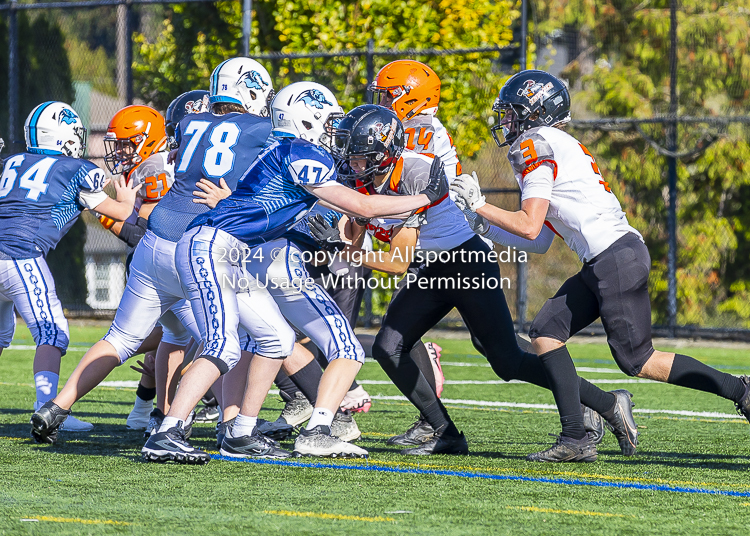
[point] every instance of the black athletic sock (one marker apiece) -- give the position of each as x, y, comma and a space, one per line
563, 381
689, 372
145, 393
307, 380
600, 401
421, 357
287, 389
366, 341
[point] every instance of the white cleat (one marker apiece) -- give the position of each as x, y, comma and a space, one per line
357, 400
320, 443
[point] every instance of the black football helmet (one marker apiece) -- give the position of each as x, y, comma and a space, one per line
368, 131
191, 102
529, 99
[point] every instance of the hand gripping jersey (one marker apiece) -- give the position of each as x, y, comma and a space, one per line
211, 147
442, 224
156, 175
41, 197
550, 164
425, 134
270, 198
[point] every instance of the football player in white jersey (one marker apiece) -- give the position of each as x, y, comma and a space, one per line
136, 145
562, 188
451, 268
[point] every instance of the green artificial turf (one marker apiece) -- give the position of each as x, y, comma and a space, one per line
96, 483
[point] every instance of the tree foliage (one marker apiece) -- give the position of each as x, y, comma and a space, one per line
195, 38
622, 70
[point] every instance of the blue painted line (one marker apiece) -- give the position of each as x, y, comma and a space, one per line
486, 476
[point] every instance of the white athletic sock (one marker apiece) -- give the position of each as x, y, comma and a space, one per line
46, 386
243, 425
320, 416
168, 422
143, 405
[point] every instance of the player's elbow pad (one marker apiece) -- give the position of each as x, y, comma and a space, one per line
132, 233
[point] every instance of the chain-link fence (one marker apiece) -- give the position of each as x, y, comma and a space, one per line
660, 97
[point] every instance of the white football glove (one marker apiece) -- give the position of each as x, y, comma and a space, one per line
477, 223
468, 192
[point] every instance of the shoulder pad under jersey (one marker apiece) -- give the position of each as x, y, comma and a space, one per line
529, 151
156, 176
310, 164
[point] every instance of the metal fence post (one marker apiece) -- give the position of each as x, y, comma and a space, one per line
370, 66
12, 76
521, 268
672, 172
247, 25
129, 52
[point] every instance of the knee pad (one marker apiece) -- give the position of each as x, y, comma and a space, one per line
173, 332
7, 326
125, 345
52, 333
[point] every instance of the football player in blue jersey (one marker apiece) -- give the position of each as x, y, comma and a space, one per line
240, 90
292, 173
42, 193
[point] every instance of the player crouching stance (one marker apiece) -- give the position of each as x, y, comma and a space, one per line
561, 186
42, 194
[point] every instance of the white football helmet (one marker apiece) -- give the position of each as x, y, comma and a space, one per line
242, 81
55, 128
306, 110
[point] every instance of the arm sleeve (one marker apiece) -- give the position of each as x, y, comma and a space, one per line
131, 233
539, 245
91, 200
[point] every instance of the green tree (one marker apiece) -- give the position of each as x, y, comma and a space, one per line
197, 37
621, 69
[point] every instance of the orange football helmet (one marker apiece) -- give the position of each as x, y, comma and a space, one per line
134, 133
407, 87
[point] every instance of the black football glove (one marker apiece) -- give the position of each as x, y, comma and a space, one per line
326, 235
438, 185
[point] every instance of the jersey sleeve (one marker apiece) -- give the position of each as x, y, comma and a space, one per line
414, 179
538, 183
446, 150
531, 151
310, 166
90, 180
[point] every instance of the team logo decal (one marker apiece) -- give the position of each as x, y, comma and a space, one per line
67, 116
253, 80
534, 91
386, 133
197, 106
313, 98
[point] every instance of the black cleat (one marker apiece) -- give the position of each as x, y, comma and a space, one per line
567, 449
743, 406
255, 445
221, 431
276, 430
623, 425
154, 423
440, 444
418, 433
207, 414
172, 446
188, 426
46, 421
593, 423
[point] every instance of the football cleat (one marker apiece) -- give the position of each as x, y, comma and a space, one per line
139, 416
297, 410
344, 427
276, 430
255, 445
188, 426
593, 423
622, 424
221, 431
154, 422
46, 421
208, 414
319, 442
566, 449
440, 444
172, 446
357, 400
435, 352
418, 433
71, 424
743, 406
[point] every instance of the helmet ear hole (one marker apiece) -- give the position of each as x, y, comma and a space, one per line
307, 124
